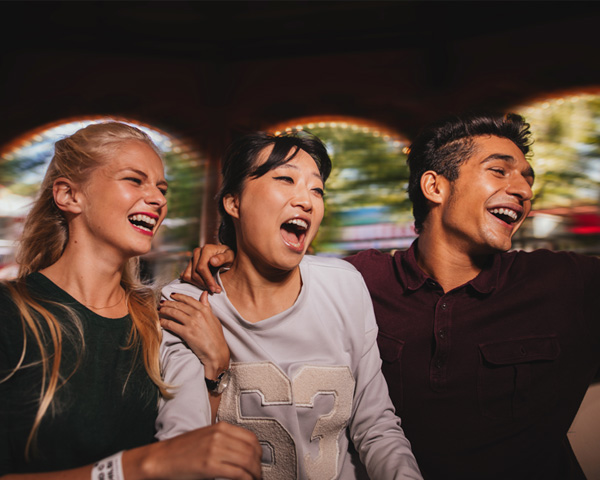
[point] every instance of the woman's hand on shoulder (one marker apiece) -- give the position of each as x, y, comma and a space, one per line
204, 261
194, 321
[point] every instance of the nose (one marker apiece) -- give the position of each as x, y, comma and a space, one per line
520, 187
155, 197
302, 198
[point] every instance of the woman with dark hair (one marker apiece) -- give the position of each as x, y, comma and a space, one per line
80, 373
305, 373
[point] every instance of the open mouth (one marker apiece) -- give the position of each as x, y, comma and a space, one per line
294, 232
143, 222
507, 215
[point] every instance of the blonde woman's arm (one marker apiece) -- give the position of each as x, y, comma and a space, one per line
221, 450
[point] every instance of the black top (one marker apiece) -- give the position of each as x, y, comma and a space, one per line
99, 410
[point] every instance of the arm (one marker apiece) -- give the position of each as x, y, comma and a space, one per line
199, 337
220, 450
374, 428
198, 271
189, 407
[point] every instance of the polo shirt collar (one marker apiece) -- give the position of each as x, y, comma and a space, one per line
414, 278
487, 280
409, 270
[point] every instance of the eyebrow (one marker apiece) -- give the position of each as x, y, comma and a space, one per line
528, 172
288, 165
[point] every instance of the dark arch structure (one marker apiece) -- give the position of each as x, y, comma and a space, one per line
208, 71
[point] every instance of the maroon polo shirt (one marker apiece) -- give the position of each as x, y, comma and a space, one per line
488, 377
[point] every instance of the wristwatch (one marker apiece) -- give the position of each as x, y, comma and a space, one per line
216, 387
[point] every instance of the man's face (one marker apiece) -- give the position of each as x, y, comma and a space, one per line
491, 198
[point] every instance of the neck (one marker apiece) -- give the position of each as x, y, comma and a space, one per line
258, 294
91, 280
449, 265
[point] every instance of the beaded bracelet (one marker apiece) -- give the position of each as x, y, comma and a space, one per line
109, 468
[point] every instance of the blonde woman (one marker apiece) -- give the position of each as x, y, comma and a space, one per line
79, 338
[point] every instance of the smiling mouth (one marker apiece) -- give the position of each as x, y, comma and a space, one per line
294, 232
143, 222
507, 215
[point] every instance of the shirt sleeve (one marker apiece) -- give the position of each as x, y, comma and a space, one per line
183, 372
374, 427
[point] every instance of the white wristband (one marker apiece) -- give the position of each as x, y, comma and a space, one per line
109, 468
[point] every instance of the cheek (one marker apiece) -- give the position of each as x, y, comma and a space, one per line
163, 214
121, 194
252, 219
319, 213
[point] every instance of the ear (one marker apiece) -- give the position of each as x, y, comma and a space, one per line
231, 204
66, 195
434, 186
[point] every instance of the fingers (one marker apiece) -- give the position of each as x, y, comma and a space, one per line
221, 257
199, 270
172, 326
193, 321
220, 450
186, 275
182, 305
205, 260
190, 314
243, 435
242, 448
204, 299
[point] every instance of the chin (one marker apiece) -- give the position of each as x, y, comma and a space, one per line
490, 247
500, 247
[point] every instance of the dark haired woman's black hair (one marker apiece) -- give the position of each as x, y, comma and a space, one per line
240, 164
445, 145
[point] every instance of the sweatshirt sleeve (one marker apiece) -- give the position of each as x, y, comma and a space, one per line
183, 372
374, 427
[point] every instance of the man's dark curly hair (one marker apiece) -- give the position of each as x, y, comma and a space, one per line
445, 145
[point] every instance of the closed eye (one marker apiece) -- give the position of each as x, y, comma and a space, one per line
137, 181
285, 179
319, 191
499, 171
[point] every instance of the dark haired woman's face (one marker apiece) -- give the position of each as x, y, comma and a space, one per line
278, 214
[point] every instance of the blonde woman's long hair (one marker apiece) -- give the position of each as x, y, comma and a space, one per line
45, 236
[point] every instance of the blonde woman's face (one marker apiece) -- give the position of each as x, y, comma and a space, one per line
124, 201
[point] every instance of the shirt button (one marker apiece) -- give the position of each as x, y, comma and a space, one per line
522, 351
444, 306
442, 333
439, 364
431, 282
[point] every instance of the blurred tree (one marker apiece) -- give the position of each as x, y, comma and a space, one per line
566, 152
369, 170
185, 175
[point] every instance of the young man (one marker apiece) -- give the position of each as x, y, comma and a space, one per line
487, 354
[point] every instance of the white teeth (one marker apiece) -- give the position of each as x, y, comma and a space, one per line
143, 218
143, 222
299, 222
505, 211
